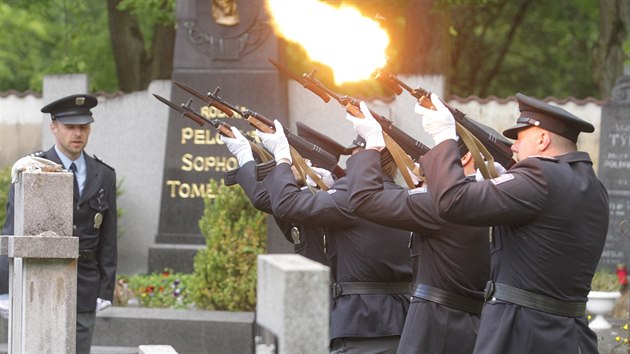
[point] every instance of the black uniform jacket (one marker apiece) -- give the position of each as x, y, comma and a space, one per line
444, 255
307, 241
550, 218
357, 250
96, 278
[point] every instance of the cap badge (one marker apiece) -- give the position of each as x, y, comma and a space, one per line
79, 101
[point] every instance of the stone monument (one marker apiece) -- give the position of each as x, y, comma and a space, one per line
292, 304
42, 265
218, 44
614, 171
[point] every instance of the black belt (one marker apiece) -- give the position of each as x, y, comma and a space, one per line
446, 298
534, 301
87, 255
369, 288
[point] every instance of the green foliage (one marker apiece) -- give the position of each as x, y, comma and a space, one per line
235, 232
48, 37
164, 290
119, 210
605, 280
626, 52
5, 184
541, 48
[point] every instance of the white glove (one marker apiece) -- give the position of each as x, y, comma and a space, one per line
368, 128
414, 178
323, 174
438, 123
500, 170
276, 143
102, 304
239, 147
4, 308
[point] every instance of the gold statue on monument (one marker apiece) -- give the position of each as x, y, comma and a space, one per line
225, 12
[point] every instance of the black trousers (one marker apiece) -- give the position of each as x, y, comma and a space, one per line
364, 345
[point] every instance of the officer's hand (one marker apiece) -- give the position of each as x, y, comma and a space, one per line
277, 143
368, 128
239, 147
102, 304
323, 174
497, 166
438, 123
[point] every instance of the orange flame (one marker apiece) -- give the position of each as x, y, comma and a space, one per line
351, 44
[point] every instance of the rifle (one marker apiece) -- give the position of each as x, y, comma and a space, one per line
497, 146
402, 147
305, 148
262, 169
411, 146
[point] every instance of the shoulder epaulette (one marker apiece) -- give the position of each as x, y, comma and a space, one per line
103, 162
39, 153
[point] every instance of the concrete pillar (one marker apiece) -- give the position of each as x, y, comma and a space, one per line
42, 265
293, 303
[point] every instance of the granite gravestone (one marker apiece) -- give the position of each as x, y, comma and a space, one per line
614, 171
223, 44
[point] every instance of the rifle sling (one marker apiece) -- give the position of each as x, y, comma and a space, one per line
403, 161
263, 154
304, 170
477, 149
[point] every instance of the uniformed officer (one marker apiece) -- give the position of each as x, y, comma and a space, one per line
94, 218
307, 241
369, 263
550, 217
450, 262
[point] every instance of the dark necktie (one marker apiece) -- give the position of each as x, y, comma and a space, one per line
73, 168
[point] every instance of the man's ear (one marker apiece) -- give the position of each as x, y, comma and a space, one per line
466, 158
544, 140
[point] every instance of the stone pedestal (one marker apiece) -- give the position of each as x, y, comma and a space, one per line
42, 265
293, 302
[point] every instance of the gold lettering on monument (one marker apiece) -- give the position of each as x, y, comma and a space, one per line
190, 162
179, 189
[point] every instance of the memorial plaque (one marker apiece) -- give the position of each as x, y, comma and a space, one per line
614, 172
214, 47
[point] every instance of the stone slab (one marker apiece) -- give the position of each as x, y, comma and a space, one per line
187, 331
40, 246
156, 349
293, 302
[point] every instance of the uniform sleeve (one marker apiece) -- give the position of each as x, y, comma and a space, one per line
513, 198
255, 191
411, 210
107, 247
290, 204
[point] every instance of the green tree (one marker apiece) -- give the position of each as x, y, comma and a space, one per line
45, 37
120, 44
142, 36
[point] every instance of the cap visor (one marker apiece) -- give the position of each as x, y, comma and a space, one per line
512, 132
76, 120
